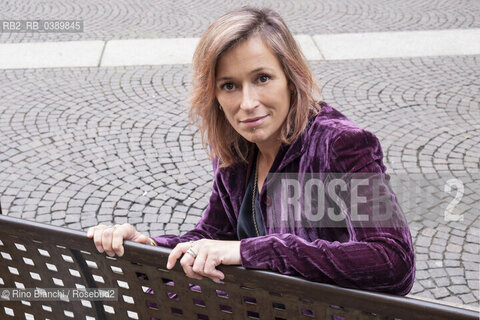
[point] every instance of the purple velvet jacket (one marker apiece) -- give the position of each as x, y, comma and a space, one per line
376, 258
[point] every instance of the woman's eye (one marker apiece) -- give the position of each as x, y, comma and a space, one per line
228, 86
263, 78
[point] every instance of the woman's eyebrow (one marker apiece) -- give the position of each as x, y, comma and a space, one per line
260, 69
253, 71
223, 78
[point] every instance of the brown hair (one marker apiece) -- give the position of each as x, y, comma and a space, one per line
225, 33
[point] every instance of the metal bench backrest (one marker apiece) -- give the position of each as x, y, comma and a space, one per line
35, 255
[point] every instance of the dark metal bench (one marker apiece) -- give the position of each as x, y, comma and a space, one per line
35, 255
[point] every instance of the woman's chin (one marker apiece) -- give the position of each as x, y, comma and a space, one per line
259, 136
254, 137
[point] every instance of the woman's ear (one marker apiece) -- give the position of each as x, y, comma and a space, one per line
291, 87
218, 104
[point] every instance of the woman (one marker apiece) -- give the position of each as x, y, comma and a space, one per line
253, 97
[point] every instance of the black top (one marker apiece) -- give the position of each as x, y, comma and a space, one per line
245, 226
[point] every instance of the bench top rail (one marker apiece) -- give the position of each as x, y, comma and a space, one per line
34, 255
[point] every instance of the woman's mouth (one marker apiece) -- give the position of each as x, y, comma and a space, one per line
253, 122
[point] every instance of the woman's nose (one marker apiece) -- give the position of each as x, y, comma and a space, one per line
249, 98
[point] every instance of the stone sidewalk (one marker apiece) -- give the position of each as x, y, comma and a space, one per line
131, 19
82, 146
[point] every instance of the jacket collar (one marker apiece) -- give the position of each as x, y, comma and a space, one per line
288, 153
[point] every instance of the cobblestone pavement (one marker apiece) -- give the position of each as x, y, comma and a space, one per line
82, 146
126, 19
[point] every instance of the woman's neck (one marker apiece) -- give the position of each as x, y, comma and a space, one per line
267, 153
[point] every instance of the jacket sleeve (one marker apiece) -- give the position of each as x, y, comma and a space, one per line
377, 258
214, 224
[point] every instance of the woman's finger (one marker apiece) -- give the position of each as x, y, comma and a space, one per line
119, 234
176, 253
107, 237
91, 231
97, 236
210, 269
187, 263
199, 262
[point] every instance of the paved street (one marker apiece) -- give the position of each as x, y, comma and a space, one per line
82, 146
128, 19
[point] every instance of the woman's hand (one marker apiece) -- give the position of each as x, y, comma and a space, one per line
109, 239
201, 257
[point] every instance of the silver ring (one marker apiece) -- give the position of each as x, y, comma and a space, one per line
192, 252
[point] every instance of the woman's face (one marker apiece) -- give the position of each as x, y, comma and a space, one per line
253, 91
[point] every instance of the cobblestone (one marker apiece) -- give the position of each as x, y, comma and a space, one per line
468, 298
169, 18
457, 289
459, 280
453, 299
440, 293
